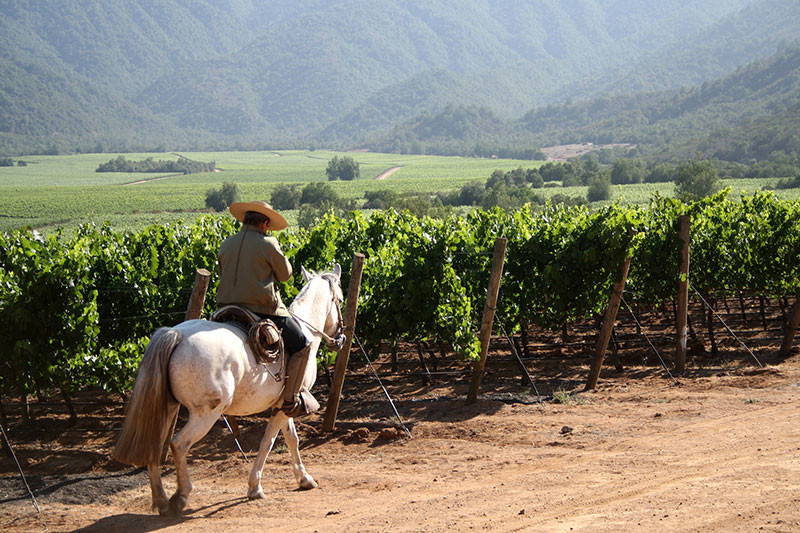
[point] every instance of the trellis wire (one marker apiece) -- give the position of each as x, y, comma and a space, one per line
154, 315
22, 475
363, 351
227, 424
521, 364
726, 326
650, 343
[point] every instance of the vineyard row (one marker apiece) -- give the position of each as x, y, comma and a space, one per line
423, 278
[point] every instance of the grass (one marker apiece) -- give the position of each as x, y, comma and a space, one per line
564, 397
65, 191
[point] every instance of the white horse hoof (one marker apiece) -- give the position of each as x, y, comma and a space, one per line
308, 483
257, 494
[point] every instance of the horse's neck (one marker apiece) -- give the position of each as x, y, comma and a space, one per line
310, 304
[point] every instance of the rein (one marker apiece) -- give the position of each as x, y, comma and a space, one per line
338, 341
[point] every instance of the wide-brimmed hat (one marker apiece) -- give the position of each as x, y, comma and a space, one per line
276, 220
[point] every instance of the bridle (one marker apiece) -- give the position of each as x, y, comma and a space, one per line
337, 341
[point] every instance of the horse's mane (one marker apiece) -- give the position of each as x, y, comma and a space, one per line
303, 294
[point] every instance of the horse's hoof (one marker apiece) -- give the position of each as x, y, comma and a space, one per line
308, 484
162, 506
256, 494
177, 504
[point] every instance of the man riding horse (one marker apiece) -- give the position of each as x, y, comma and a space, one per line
250, 265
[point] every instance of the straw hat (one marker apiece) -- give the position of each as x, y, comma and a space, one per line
276, 221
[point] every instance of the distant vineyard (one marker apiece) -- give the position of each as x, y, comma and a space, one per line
76, 312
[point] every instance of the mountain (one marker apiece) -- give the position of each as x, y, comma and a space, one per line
711, 52
214, 73
359, 65
753, 91
747, 114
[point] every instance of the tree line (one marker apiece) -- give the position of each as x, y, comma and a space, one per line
181, 166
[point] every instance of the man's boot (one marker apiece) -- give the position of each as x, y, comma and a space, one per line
297, 399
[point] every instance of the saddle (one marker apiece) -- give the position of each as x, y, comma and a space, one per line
263, 335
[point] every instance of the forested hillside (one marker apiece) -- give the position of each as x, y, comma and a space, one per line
756, 90
748, 114
712, 52
249, 73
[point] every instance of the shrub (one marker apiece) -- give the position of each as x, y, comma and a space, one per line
345, 168
317, 194
661, 173
220, 199
626, 171
285, 197
695, 180
599, 189
382, 199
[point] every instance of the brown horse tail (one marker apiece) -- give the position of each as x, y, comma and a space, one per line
151, 406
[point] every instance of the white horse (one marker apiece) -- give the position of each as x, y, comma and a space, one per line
209, 368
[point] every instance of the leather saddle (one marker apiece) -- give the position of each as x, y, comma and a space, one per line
263, 335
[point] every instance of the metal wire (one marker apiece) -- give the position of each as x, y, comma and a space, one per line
224, 419
726, 326
521, 364
22, 475
382, 387
650, 343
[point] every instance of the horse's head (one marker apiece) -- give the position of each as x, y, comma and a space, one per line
332, 281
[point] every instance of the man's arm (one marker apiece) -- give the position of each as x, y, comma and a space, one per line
280, 265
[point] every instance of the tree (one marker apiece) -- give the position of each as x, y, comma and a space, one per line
534, 178
662, 172
345, 168
599, 189
286, 197
220, 199
471, 193
696, 179
627, 171
318, 194
383, 199
230, 193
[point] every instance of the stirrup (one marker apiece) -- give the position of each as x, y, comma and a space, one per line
303, 404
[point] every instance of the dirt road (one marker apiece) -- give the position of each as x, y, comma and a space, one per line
387, 173
720, 452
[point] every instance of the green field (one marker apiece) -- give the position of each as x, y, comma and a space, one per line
64, 191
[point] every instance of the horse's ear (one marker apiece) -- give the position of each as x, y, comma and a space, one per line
305, 273
337, 270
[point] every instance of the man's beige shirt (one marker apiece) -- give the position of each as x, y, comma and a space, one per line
249, 265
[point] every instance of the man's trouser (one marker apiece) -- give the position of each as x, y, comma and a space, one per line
297, 399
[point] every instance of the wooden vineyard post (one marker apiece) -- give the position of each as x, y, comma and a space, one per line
683, 296
198, 299
791, 327
608, 324
488, 316
343, 356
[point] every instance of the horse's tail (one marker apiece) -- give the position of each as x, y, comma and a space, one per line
151, 405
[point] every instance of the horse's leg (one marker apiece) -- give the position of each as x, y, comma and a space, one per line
160, 500
197, 426
277, 420
304, 479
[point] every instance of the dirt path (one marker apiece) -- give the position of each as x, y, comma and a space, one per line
148, 180
564, 152
388, 173
720, 452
